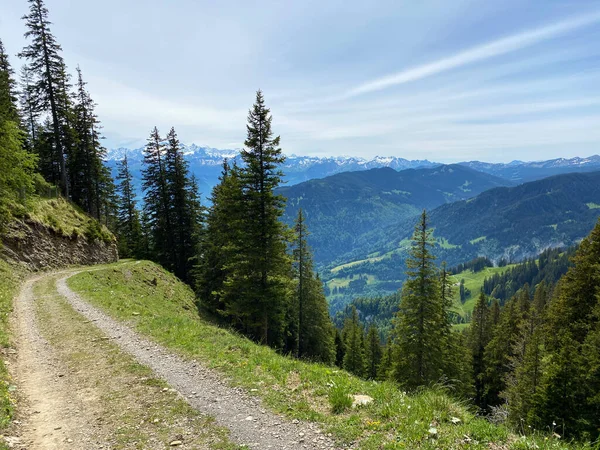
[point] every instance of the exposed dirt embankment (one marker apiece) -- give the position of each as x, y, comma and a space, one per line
41, 247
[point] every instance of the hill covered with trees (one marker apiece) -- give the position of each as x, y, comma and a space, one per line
342, 208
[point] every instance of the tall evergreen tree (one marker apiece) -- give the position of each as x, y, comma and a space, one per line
157, 201
422, 322
373, 353
16, 164
221, 244
480, 332
354, 357
184, 205
49, 89
129, 228
312, 324
262, 276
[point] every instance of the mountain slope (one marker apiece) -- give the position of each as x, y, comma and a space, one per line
342, 208
509, 222
521, 172
205, 163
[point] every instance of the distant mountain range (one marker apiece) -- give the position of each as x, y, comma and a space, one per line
521, 172
342, 208
205, 163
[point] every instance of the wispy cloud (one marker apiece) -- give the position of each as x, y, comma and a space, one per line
479, 53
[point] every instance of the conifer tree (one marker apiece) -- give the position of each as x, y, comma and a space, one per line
480, 332
8, 99
373, 353
16, 164
313, 327
387, 359
129, 228
499, 352
222, 242
89, 178
340, 349
262, 272
157, 201
523, 382
28, 108
184, 206
422, 322
49, 89
354, 358
568, 392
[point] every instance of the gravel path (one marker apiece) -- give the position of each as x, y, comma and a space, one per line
249, 422
43, 388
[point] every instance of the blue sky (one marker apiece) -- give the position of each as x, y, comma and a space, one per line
443, 80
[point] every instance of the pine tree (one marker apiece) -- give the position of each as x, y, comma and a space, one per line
8, 99
373, 353
568, 389
387, 359
129, 228
30, 111
157, 202
422, 322
312, 328
262, 276
16, 164
480, 332
221, 244
499, 352
340, 349
90, 180
184, 206
49, 89
354, 358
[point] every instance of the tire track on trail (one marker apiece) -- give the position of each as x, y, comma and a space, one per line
249, 422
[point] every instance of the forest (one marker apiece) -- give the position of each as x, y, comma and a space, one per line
530, 355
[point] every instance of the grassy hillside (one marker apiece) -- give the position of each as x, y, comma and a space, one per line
65, 219
159, 306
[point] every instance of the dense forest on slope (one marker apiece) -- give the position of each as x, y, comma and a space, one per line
504, 224
342, 208
498, 283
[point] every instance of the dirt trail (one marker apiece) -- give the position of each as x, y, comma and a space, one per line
64, 418
54, 417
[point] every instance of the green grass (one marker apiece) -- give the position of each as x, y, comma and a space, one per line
593, 205
443, 243
159, 306
66, 219
10, 278
473, 282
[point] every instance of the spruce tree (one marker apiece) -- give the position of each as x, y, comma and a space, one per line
16, 164
129, 228
568, 392
184, 205
90, 180
373, 353
422, 323
479, 337
354, 357
221, 244
312, 325
49, 89
261, 279
157, 201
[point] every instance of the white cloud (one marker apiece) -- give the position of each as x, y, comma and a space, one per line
479, 53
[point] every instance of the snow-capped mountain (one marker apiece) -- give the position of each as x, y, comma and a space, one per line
205, 163
521, 172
